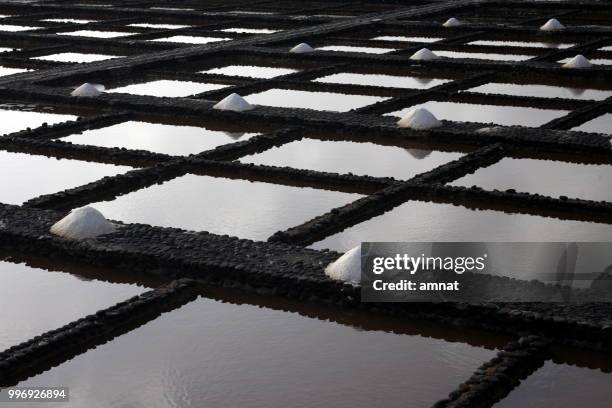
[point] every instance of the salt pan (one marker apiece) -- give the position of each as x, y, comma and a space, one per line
452, 22
301, 49
233, 102
88, 89
552, 25
579, 61
347, 268
82, 223
424, 54
419, 119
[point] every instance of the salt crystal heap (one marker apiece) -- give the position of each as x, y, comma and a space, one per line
347, 268
88, 89
82, 223
552, 25
579, 61
424, 54
419, 119
233, 102
452, 22
301, 48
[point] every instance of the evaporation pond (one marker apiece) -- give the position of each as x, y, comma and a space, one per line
34, 301
544, 91
167, 88
601, 124
561, 386
16, 120
286, 98
521, 44
241, 208
417, 221
249, 30
390, 81
4, 71
155, 137
97, 34
480, 55
348, 48
408, 39
25, 176
16, 28
75, 57
218, 355
551, 178
501, 115
250, 71
188, 39
352, 157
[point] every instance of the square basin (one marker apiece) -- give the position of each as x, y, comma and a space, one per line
68, 20
551, 178
75, 57
252, 210
34, 301
387, 81
167, 88
190, 39
601, 124
481, 55
249, 30
97, 34
155, 137
4, 71
16, 28
351, 157
15, 120
348, 48
24, 176
215, 354
407, 39
501, 115
159, 26
545, 91
417, 221
529, 44
287, 98
250, 71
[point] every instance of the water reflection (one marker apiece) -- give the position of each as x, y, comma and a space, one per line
250, 30
250, 71
409, 39
159, 26
190, 39
347, 48
168, 88
15, 120
75, 57
481, 55
15, 28
4, 71
97, 34
521, 44
287, 98
548, 91
392, 81
601, 124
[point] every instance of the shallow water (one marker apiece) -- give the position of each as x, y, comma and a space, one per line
231, 355
287, 98
4, 71
24, 176
250, 71
97, 34
75, 57
522, 44
352, 157
426, 222
501, 115
252, 210
601, 124
585, 181
5, 49
15, 28
189, 39
250, 30
347, 48
548, 91
16, 120
33, 300
159, 26
409, 39
392, 81
155, 137
480, 55
167, 88
68, 20
561, 386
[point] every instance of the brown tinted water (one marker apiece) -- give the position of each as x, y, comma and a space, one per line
287, 98
167, 88
252, 210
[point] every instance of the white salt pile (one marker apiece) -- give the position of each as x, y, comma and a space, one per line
424, 54
419, 119
452, 22
347, 268
579, 61
552, 25
82, 223
233, 102
88, 89
301, 48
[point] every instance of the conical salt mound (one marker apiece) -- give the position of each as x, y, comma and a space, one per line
552, 25
301, 49
233, 102
347, 268
452, 22
82, 223
579, 61
419, 119
424, 54
88, 89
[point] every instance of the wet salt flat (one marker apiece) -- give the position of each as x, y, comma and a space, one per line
25, 176
188, 39
501, 115
4, 71
16, 120
15, 28
561, 386
167, 88
408, 39
392, 81
601, 124
155, 137
547, 91
75, 57
241, 208
250, 30
287, 98
68, 20
585, 181
159, 26
347, 48
97, 34
48, 300
416, 221
480, 55
231, 355
522, 44
250, 71
351, 157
